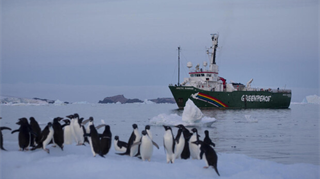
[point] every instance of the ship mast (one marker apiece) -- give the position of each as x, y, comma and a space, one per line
213, 66
179, 66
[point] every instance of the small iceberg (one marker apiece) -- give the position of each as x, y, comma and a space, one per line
311, 99
191, 117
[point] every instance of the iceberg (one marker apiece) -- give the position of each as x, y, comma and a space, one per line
191, 113
191, 117
311, 99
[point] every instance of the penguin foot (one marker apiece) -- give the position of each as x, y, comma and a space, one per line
54, 146
47, 150
205, 167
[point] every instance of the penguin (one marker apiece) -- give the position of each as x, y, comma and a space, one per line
207, 139
105, 141
24, 133
186, 134
119, 145
169, 144
46, 136
35, 138
73, 134
194, 148
134, 138
147, 129
1, 136
87, 130
78, 129
146, 146
67, 135
208, 154
179, 140
58, 137
95, 141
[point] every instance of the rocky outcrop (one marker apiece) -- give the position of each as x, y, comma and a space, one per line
163, 100
121, 99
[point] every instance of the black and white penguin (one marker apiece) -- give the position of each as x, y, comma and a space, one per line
78, 129
146, 146
73, 134
119, 145
194, 148
106, 140
1, 136
95, 141
207, 139
67, 135
24, 133
88, 138
147, 129
46, 136
209, 155
36, 136
58, 137
179, 140
186, 134
134, 138
169, 144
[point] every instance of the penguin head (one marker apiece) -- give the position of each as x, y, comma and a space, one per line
22, 121
57, 119
167, 127
206, 132
147, 127
49, 124
32, 119
144, 132
66, 121
90, 119
76, 115
116, 137
70, 116
134, 126
194, 130
180, 126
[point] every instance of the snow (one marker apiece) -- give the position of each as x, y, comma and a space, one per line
312, 99
78, 162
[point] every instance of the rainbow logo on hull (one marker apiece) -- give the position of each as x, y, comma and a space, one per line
209, 99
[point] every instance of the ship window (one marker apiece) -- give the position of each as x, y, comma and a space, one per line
208, 75
192, 75
202, 74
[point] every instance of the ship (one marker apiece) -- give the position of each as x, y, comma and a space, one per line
207, 89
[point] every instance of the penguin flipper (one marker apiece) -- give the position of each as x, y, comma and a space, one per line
216, 169
17, 130
2, 128
155, 144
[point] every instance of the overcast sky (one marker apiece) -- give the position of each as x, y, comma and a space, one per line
85, 50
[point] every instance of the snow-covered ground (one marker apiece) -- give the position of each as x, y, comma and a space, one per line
77, 162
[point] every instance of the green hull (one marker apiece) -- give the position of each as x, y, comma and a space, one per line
277, 99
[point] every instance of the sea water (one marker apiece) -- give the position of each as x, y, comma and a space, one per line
285, 136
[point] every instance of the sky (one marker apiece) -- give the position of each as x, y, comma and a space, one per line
85, 50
